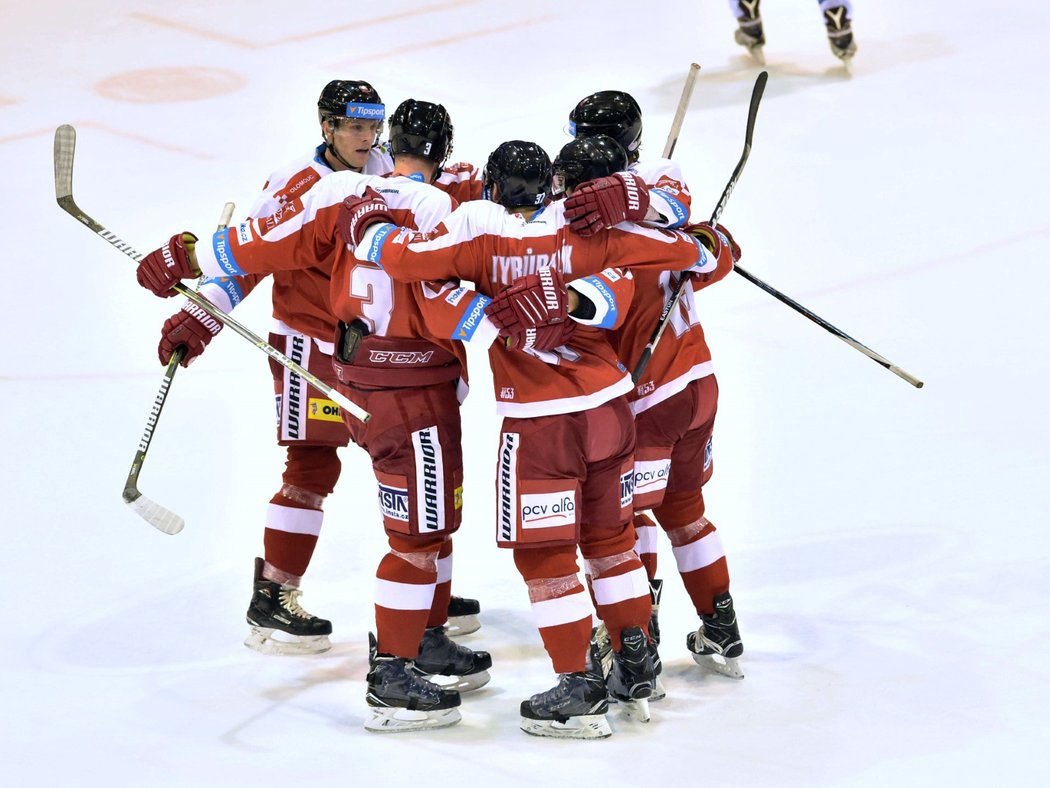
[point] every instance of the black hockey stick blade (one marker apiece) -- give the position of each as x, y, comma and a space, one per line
752, 115
676, 295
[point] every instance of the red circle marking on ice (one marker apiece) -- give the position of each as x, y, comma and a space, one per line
165, 85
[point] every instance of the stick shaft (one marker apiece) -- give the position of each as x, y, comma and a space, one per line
683, 105
65, 143
860, 346
676, 294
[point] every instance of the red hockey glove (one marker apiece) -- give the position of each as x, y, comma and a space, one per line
359, 213
604, 202
533, 301
192, 328
717, 239
542, 337
161, 269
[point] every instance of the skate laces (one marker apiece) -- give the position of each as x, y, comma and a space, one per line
561, 690
289, 598
441, 645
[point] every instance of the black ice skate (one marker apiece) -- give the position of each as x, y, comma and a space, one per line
749, 33
574, 709
656, 588
279, 624
631, 679
840, 34
439, 656
401, 698
462, 616
716, 644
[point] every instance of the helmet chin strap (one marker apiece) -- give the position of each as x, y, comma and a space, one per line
335, 155
330, 148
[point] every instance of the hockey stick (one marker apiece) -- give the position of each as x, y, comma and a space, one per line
676, 294
152, 512
867, 351
65, 145
683, 105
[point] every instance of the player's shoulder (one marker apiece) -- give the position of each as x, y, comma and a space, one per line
653, 170
407, 185
485, 213
458, 173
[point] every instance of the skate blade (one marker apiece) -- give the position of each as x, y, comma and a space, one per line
462, 625
635, 710
753, 49
659, 691
397, 720
590, 726
273, 642
460, 683
724, 666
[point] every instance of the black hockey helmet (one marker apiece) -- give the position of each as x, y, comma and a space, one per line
522, 171
610, 112
420, 128
350, 98
585, 159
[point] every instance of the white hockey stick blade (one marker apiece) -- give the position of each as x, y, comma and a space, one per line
162, 519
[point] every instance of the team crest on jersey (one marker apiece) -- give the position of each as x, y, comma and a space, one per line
709, 454
275, 218
506, 392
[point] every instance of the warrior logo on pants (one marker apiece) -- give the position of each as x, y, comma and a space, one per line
430, 480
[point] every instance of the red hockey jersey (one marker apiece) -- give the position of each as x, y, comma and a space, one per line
302, 236
682, 354
300, 296
484, 243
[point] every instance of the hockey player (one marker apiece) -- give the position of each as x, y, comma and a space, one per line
837, 19
675, 400
565, 456
389, 360
351, 115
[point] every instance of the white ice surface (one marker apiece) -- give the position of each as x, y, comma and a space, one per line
888, 546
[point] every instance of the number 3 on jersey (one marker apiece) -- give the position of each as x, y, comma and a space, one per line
375, 296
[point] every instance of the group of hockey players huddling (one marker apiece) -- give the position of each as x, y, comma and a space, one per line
369, 243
